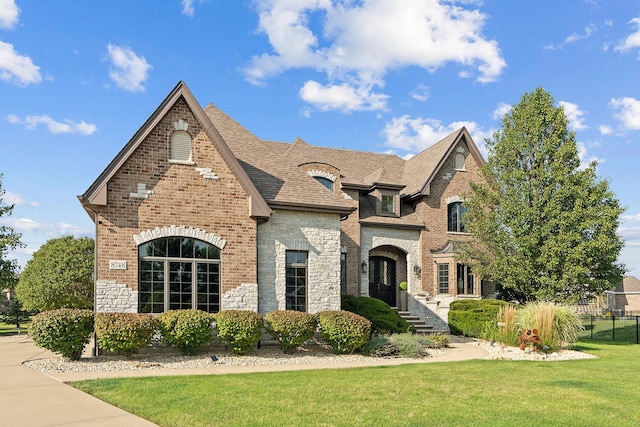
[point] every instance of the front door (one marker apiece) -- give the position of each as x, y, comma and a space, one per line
382, 279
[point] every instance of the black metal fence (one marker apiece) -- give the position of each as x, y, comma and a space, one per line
610, 327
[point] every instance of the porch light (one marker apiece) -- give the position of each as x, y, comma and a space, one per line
417, 270
364, 266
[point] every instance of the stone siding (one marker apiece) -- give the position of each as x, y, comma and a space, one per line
316, 233
114, 297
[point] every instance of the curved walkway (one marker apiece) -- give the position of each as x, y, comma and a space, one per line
32, 398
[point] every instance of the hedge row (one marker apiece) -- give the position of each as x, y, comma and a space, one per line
469, 317
68, 331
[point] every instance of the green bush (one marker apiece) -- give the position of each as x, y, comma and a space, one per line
290, 328
384, 319
344, 331
469, 317
557, 325
125, 333
404, 345
186, 329
66, 331
240, 329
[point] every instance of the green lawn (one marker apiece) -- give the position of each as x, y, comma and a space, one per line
10, 328
602, 328
592, 392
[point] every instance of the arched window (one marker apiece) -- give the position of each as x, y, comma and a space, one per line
455, 220
178, 273
324, 181
459, 161
181, 146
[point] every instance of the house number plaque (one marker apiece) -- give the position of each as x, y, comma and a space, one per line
117, 265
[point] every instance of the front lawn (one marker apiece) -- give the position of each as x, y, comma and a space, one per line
480, 393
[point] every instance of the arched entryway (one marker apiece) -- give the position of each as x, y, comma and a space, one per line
382, 279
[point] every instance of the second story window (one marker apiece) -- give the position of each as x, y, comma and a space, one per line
387, 204
455, 213
324, 181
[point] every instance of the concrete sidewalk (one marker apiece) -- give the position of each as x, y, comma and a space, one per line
35, 399
32, 399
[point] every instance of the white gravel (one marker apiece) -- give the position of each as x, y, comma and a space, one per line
267, 355
500, 352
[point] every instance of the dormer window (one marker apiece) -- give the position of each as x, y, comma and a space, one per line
324, 181
387, 204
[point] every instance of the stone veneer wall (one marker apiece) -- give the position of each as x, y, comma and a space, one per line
114, 297
407, 240
317, 233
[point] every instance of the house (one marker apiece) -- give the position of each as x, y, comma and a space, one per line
197, 212
625, 297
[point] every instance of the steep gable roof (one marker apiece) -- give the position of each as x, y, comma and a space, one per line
96, 194
279, 181
421, 169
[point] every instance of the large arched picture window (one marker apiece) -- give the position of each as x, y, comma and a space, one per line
178, 273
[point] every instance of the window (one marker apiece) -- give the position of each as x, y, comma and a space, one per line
324, 181
178, 273
466, 281
343, 273
181, 146
443, 278
458, 162
296, 280
387, 205
455, 218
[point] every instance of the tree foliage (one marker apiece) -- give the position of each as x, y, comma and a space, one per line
59, 275
542, 226
9, 240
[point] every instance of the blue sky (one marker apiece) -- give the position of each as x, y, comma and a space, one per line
78, 78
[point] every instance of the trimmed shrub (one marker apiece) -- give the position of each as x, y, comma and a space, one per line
290, 328
240, 329
469, 317
558, 325
344, 331
384, 319
187, 330
66, 331
125, 333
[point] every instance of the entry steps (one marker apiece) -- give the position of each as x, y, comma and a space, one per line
421, 326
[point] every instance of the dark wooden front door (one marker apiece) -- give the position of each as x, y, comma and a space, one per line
382, 279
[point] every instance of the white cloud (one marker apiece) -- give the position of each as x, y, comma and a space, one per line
17, 69
416, 134
345, 96
628, 112
574, 114
68, 126
8, 14
129, 71
10, 198
501, 110
588, 31
420, 93
585, 157
605, 130
50, 231
188, 6
632, 41
364, 40
630, 218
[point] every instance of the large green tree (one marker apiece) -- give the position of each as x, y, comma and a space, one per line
59, 275
542, 226
9, 240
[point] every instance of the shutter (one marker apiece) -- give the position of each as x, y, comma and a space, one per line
180, 146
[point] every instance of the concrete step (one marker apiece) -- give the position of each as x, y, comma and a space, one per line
421, 326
